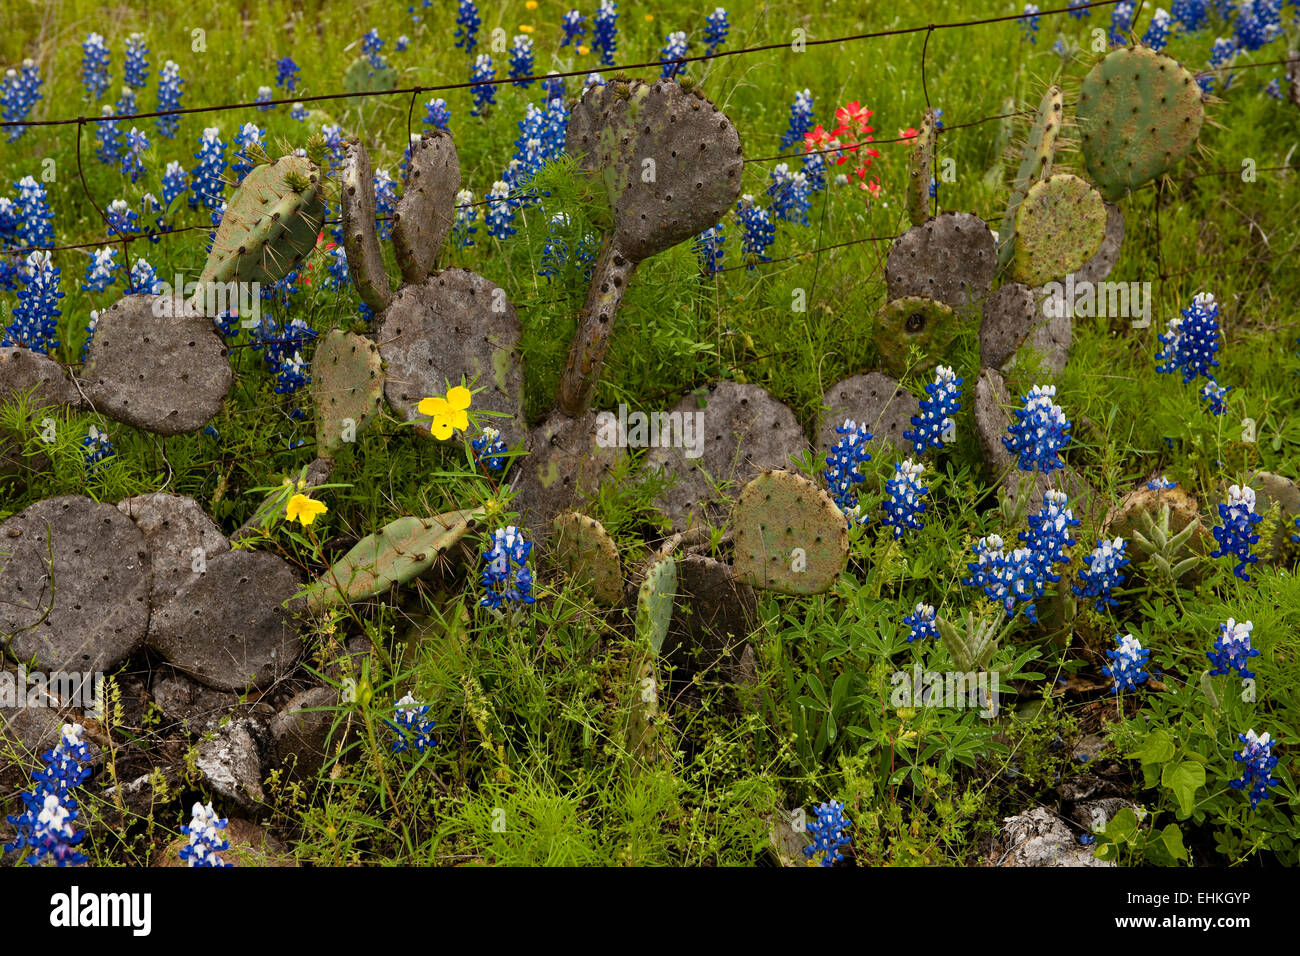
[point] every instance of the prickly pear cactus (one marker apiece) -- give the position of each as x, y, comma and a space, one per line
567, 461
426, 210
589, 556
671, 164
347, 386
360, 242
789, 536
1035, 165
654, 603
1139, 115
1059, 227
922, 169
902, 323
270, 224
362, 76
398, 553
875, 400
44, 386
949, 259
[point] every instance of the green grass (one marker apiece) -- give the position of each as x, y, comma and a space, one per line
534, 765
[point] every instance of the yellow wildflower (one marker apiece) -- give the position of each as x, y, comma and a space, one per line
525, 28
530, 5
448, 413
304, 510
582, 50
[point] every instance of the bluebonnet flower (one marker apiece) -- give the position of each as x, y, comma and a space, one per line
136, 144
485, 95
1161, 484
385, 203
436, 113
592, 79
708, 249
36, 220
758, 232
206, 179
100, 270
264, 96
1256, 778
1157, 34
332, 133
173, 183
411, 728
1048, 536
922, 623
1235, 535
842, 468
489, 449
135, 72
1274, 88
1040, 432
790, 193
553, 88
1121, 19
801, 119
94, 66
337, 267
604, 31
935, 421
1221, 54
1214, 393
1102, 573
286, 74
401, 43
291, 374
169, 98
1258, 23
499, 217
371, 44
91, 325
506, 577
1128, 659
814, 168
1030, 22
675, 47
35, 317
1190, 13
1232, 650
716, 28
20, 92
46, 825
108, 138
521, 60
828, 833
467, 24
1005, 578
573, 23
143, 280
205, 839
125, 105
250, 134
96, 446
121, 218
556, 252
904, 505
1079, 9
463, 229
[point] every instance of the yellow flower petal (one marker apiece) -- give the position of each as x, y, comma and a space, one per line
459, 398
649, 17
304, 510
432, 406
530, 4
457, 419
525, 28
582, 50
441, 429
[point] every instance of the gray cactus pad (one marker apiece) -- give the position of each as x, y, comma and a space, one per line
164, 374
713, 617
427, 209
1010, 314
447, 327
23, 369
360, 241
950, 259
875, 400
1047, 348
697, 158
1103, 260
175, 530
564, 465
98, 603
745, 431
227, 628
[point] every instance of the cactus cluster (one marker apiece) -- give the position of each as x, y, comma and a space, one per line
1036, 160
654, 603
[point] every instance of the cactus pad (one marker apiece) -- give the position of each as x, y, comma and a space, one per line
160, 369
23, 371
1104, 259
1139, 114
565, 464
1010, 314
739, 431
1035, 164
654, 603
874, 400
789, 536
347, 383
714, 616
922, 169
270, 224
909, 321
1059, 227
427, 209
949, 259
589, 556
179, 536
453, 326
362, 76
360, 241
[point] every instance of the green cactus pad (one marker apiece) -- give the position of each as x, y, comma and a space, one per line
949, 258
1059, 227
589, 556
654, 603
922, 170
789, 535
910, 321
396, 554
363, 77
270, 224
1139, 115
360, 241
427, 209
1035, 165
347, 385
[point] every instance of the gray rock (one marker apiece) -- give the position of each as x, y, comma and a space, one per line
713, 617
180, 537
951, 259
875, 400
229, 628
195, 706
164, 374
230, 761
22, 370
300, 732
745, 431
565, 464
1040, 838
76, 580
1010, 314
